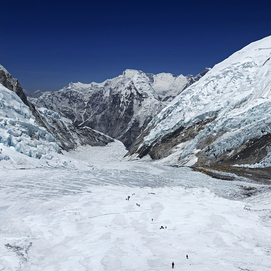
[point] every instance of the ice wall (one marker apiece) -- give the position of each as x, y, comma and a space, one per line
19, 130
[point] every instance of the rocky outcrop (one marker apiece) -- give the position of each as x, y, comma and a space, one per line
163, 146
68, 136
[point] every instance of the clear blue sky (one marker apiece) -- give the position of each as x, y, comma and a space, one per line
47, 44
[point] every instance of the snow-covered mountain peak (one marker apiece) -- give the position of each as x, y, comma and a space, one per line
162, 82
76, 86
130, 73
164, 77
143, 86
217, 115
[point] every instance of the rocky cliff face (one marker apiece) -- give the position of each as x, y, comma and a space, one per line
120, 107
63, 131
68, 136
222, 119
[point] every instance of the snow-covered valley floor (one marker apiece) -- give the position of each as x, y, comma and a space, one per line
78, 217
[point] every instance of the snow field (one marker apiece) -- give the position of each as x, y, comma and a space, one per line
78, 217
102, 230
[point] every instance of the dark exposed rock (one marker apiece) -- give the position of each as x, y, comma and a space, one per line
20, 251
143, 150
253, 151
261, 175
250, 152
162, 147
69, 137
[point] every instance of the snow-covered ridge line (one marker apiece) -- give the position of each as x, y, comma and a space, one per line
120, 107
235, 94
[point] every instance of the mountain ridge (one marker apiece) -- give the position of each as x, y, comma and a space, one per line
218, 119
120, 107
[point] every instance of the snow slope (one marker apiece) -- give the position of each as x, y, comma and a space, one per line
79, 218
218, 118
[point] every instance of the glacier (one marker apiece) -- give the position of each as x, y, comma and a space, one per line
233, 101
78, 216
19, 129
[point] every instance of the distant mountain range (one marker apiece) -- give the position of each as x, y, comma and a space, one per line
120, 107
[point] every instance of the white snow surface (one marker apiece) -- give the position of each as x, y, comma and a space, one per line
78, 217
19, 130
166, 84
236, 91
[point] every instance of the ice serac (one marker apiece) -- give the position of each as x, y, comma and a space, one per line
120, 107
55, 128
19, 130
224, 118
